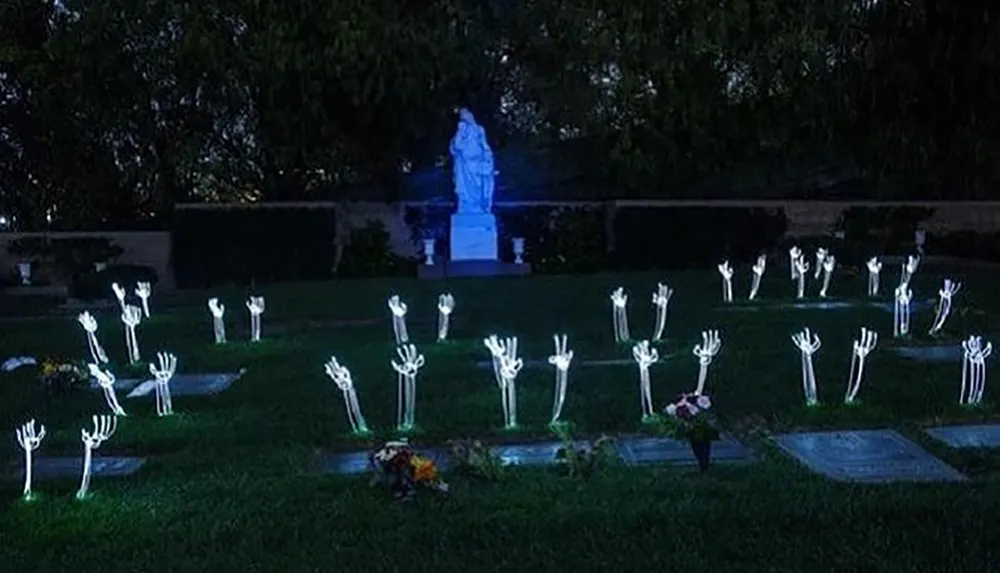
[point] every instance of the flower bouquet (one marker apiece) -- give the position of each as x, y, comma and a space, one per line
62, 377
398, 467
689, 418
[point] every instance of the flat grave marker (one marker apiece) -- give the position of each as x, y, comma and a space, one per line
47, 468
356, 463
970, 436
640, 450
189, 385
866, 456
535, 454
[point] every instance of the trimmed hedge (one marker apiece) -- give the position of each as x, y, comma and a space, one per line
246, 246
693, 237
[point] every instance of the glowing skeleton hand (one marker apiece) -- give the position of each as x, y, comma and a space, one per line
446, 304
644, 354
255, 305
104, 428
411, 360
563, 357
396, 306
807, 342
874, 265
864, 345
949, 289
662, 295
510, 367
725, 270
131, 316
801, 265
88, 322
619, 298
794, 253
760, 265
216, 308
28, 438
829, 263
167, 368
974, 349
709, 347
119, 292
340, 375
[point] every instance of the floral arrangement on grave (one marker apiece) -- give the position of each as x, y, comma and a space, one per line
62, 377
690, 418
403, 471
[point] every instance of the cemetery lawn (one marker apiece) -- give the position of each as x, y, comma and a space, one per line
233, 481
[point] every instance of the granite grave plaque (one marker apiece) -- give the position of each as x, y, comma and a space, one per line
931, 354
355, 463
643, 450
866, 456
537, 454
101, 466
189, 385
972, 436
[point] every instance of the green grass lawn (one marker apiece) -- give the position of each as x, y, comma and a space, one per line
232, 484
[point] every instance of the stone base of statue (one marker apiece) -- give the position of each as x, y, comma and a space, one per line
473, 237
474, 251
470, 269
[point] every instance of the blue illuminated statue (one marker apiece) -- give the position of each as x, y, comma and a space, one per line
473, 166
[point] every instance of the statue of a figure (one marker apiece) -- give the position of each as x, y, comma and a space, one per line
473, 165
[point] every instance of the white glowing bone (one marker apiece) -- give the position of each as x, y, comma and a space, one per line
727, 281
256, 306
510, 366
801, 268
619, 314
821, 254
106, 380
104, 428
901, 311
29, 440
89, 324
794, 254
131, 317
398, 309
874, 268
144, 290
410, 363
661, 300
341, 376
706, 351
162, 376
758, 273
561, 360
829, 263
446, 304
909, 268
974, 370
645, 357
506, 366
947, 291
119, 294
218, 310
862, 347
808, 343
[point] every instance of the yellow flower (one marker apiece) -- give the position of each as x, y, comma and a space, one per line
49, 368
423, 469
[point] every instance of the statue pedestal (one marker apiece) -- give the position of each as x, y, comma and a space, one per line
473, 237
